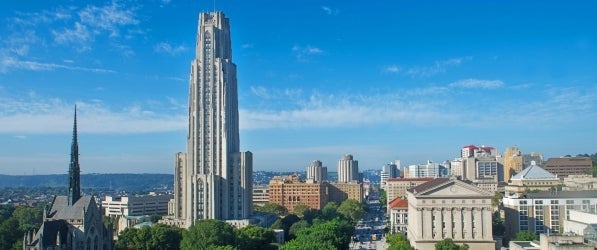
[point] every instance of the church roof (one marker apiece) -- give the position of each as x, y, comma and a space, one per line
534, 172
61, 210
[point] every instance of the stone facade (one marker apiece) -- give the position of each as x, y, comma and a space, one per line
449, 208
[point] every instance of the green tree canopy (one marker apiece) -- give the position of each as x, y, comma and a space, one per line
300, 210
525, 236
273, 208
329, 211
206, 234
255, 238
448, 244
352, 209
398, 242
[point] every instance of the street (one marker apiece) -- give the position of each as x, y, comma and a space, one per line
370, 231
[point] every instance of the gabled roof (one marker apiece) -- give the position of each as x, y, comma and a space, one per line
428, 185
534, 172
398, 203
61, 210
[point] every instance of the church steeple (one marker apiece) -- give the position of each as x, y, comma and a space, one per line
74, 171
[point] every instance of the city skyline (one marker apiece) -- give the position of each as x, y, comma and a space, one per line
316, 81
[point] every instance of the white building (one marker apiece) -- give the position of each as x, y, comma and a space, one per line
429, 170
213, 180
545, 211
317, 172
398, 215
449, 208
348, 169
388, 171
136, 205
260, 194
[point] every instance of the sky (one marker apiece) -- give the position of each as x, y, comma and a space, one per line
381, 80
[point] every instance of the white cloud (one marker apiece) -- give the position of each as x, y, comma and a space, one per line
167, 48
436, 68
36, 114
9, 63
477, 83
247, 46
303, 54
329, 10
391, 69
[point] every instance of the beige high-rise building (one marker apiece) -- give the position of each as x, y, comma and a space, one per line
290, 191
513, 162
339, 192
213, 180
348, 169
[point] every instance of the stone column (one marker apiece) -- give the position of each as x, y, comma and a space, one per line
457, 214
468, 227
448, 219
427, 229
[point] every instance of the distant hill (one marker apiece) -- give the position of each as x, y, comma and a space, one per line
112, 181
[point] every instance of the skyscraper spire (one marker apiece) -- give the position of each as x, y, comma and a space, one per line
74, 171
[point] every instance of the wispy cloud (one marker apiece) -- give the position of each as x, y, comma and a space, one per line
38, 114
391, 69
304, 53
477, 83
425, 106
436, 68
167, 48
9, 63
328, 10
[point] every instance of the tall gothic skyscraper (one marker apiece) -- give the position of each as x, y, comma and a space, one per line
213, 180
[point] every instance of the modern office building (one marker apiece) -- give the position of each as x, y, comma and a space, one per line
136, 205
388, 171
260, 195
317, 172
348, 169
213, 180
449, 208
564, 166
545, 211
428, 170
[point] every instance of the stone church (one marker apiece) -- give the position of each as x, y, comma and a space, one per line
72, 221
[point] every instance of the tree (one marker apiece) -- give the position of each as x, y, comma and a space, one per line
525, 236
307, 245
300, 210
496, 200
165, 237
329, 211
206, 234
448, 244
383, 198
255, 238
398, 242
273, 208
296, 227
352, 209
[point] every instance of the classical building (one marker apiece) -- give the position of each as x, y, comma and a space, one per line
136, 205
396, 188
339, 192
564, 166
72, 221
348, 170
290, 191
513, 162
449, 208
213, 180
533, 178
545, 211
398, 215
580, 182
317, 172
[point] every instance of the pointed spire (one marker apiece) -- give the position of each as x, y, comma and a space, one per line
74, 171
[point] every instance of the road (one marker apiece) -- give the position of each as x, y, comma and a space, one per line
370, 231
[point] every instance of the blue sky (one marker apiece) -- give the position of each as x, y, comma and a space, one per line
382, 80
